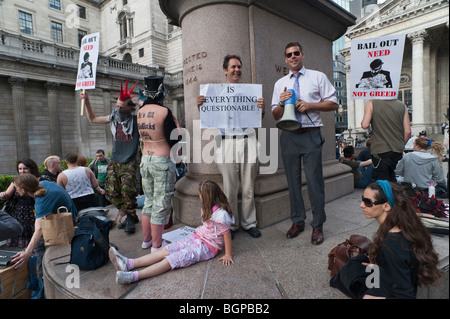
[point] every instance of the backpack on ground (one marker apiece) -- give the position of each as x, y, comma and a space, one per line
90, 243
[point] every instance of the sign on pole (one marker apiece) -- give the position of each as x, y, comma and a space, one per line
376, 66
87, 65
230, 105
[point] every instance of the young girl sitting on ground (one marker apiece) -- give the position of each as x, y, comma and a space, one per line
203, 244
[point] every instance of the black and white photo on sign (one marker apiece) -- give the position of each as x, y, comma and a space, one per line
86, 71
376, 67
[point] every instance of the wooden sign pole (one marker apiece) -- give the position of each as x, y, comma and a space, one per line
82, 103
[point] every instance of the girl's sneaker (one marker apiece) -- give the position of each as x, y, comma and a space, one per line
119, 261
124, 277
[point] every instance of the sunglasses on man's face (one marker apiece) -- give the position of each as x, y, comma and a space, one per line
369, 203
296, 53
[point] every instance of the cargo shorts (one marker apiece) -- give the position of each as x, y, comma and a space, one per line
158, 183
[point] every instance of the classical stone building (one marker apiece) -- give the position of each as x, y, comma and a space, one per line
39, 53
424, 83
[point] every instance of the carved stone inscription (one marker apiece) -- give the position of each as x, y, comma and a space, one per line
192, 66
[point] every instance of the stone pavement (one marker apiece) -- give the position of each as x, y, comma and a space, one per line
269, 267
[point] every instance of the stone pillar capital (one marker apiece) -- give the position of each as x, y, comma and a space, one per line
52, 86
418, 36
17, 81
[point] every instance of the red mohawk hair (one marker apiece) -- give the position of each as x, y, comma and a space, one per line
125, 94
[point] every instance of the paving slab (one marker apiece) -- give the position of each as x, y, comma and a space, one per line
271, 267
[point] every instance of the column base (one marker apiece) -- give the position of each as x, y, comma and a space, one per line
271, 194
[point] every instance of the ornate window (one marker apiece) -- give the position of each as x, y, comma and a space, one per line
125, 21
127, 58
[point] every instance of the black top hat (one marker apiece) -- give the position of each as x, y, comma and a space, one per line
152, 83
376, 63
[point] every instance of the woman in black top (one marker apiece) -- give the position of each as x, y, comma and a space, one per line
401, 256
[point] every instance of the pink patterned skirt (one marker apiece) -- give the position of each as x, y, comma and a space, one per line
188, 251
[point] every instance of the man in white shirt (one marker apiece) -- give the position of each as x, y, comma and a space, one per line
314, 94
238, 169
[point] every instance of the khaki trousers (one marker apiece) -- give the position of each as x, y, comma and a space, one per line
237, 161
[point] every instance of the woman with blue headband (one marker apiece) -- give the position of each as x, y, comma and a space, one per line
401, 255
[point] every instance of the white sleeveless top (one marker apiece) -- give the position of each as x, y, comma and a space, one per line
78, 184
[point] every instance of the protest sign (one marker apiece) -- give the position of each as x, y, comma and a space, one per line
376, 66
87, 64
178, 234
230, 105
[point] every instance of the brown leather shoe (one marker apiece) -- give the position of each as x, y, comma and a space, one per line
317, 236
294, 231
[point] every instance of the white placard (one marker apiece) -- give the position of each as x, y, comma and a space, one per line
230, 105
87, 65
177, 234
376, 66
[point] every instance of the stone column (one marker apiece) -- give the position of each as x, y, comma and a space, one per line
257, 31
53, 115
418, 102
20, 117
107, 109
350, 102
433, 80
82, 125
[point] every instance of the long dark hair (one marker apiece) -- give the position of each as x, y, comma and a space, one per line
403, 215
28, 162
212, 195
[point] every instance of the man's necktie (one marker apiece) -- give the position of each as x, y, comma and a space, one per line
297, 95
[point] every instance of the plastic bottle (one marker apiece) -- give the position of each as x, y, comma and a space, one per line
431, 190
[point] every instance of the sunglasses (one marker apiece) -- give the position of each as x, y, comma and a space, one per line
296, 53
369, 203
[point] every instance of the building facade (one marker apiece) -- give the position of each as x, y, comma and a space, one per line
424, 83
39, 53
358, 8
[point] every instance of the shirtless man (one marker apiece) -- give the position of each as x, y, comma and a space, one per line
155, 123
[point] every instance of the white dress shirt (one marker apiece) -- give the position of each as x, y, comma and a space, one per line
314, 87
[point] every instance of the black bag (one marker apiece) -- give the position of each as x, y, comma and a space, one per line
5, 258
10, 205
90, 243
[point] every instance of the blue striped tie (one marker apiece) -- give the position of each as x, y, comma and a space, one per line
296, 86
297, 95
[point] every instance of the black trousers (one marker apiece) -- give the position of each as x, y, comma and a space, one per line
384, 165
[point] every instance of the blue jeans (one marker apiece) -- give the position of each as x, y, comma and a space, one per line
367, 175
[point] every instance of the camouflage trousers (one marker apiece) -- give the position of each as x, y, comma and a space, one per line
158, 180
121, 185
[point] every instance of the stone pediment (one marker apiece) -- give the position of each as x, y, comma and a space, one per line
396, 15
